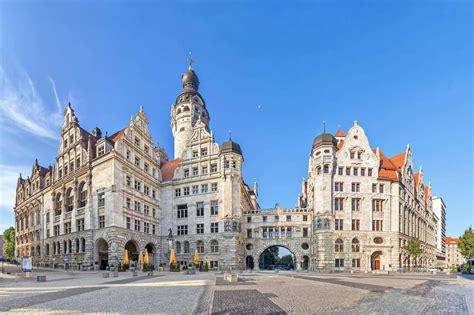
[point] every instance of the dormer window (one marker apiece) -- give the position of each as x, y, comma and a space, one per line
101, 150
359, 155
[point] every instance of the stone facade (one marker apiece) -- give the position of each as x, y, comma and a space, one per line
454, 258
439, 209
106, 194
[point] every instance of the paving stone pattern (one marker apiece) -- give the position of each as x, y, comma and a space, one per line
243, 302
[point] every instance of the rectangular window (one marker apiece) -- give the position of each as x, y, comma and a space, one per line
195, 154
214, 187
146, 227
249, 219
67, 227
195, 171
264, 218
186, 173
214, 227
182, 230
362, 171
154, 229
138, 206
355, 224
355, 171
352, 155
146, 209
340, 170
56, 230
214, 207
381, 188
154, 212
213, 168
339, 204
128, 154
305, 217
128, 203
101, 222
288, 218
146, 190
369, 172
177, 192
153, 193
80, 225
339, 223
226, 163
277, 218
145, 167
204, 170
186, 191
71, 166
200, 228
355, 203
356, 263
305, 232
145, 148
78, 162
128, 223
137, 161
195, 189
101, 200
138, 185
249, 233
348, 171
203, 151
137, 225
339, 186
374, 188
377, 205
355, 187
182, 211
377, 225
129, 181
204, 188
339, 263
101, 150
199, 209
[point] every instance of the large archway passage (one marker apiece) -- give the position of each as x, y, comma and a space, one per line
277, 257
151, 249
133, 251
102, 253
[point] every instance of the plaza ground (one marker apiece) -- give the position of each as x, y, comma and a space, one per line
259, 293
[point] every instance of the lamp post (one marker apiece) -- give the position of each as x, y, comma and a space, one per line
170, 243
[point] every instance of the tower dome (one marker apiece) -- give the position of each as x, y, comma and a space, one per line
324, 139
190, 80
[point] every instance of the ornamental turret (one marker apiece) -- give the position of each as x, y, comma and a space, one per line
188, 109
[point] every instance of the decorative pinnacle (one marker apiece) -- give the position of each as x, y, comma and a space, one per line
191, 61
324, 126
230, 135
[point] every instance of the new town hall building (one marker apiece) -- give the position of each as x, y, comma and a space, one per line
107, 193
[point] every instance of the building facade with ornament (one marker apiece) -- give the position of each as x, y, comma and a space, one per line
109, 193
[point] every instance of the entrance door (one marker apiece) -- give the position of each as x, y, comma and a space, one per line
375, 260
377, 263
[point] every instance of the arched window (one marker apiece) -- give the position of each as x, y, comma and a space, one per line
178, 247
58, 203
69, 246
47, 249
58, 248
54, 248
214, 246
186, 247
77, 245
178, 111
355, 245
318, 170
69, 200
65, 250
82, 195
339, 246
200, 247
38, 250
186, 109
83, 245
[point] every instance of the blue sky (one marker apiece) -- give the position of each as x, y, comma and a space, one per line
270, 71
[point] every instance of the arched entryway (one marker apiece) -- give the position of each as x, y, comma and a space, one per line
276, 257
376, 261
249, 264
133, 252
102, 253
151, 248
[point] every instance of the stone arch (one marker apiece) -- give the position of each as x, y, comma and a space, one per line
294, 246
133, 248
152, 253
102, 253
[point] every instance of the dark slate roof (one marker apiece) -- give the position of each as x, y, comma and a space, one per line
231, 146
324, 139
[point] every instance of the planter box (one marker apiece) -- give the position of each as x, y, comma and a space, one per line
231, 277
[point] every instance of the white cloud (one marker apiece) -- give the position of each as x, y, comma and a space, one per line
22, 107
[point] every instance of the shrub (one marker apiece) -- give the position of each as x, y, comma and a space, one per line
466, 269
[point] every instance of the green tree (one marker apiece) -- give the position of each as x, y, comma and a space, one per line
413, 247
9, 242
466, 247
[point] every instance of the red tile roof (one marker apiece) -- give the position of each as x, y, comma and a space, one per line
339, 133
386, 170
117, 136
340, 144
398, 160
417, 178
452, 240
168, 168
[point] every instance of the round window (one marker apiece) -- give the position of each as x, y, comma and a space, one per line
249, 246
304, 246
378, 240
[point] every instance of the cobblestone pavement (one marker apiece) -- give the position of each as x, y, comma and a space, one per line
259, 293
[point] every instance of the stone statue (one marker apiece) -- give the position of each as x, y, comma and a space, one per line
170, 234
